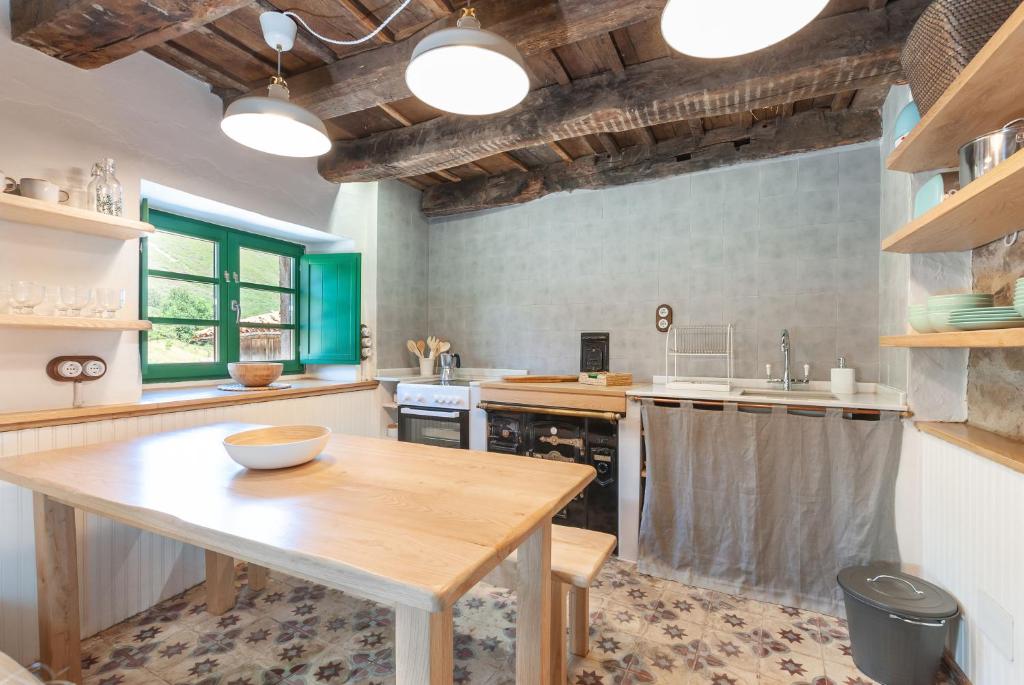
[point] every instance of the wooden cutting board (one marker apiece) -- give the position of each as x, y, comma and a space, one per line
606, 378
540, 379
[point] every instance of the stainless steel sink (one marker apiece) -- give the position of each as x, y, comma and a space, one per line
788, 394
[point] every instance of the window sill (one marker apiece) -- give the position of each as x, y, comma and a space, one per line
165, 401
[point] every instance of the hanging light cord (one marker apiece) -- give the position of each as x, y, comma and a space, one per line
365, 38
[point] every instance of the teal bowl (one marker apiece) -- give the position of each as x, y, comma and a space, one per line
906, 120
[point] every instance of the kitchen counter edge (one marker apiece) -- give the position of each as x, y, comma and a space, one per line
165, 401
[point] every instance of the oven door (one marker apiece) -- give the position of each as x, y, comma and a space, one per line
438, 427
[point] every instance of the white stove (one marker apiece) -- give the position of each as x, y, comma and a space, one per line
432, 393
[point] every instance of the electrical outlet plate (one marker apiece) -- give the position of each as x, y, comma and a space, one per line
663, 318
73, 369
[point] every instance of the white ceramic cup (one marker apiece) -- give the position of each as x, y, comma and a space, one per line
41, 189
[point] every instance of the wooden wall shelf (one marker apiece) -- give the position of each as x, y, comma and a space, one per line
1007, 337
25, 210
985, 210
1003, 450
986, 95
72, 323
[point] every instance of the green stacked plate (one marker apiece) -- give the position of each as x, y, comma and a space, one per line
941, 306
1018, 297
986, 318
918, 314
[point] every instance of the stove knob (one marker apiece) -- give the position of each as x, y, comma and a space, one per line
442, 400
456, 400
403, 399
419, 398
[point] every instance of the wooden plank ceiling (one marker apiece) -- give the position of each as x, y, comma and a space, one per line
610, 102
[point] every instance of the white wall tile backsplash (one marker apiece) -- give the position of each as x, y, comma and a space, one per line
788, 243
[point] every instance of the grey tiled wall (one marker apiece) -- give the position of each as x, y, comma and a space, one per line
402, 244
790, 243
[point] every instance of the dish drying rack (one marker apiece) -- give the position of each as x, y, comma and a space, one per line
703, 341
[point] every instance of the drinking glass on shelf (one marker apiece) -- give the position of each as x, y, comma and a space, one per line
109, 301
74, 298
26, 296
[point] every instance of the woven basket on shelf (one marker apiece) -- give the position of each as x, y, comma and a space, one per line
945, 38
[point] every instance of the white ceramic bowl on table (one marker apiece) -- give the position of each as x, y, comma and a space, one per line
277, 447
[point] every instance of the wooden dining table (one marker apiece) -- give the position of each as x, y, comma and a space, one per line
407, 525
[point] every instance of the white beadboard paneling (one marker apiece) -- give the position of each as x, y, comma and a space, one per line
972, 543
123, 570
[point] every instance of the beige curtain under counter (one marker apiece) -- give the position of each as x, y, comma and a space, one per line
770, 505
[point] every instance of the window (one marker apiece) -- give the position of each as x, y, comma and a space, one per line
216, 295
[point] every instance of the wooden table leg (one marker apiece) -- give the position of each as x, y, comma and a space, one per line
257, 576
533, 624
424, 647
579, 625
559, 651
60, 641
220, 583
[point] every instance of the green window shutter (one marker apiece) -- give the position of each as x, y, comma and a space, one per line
330, 302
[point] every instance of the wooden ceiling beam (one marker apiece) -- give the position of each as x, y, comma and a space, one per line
366, 21
842, 52
439, 8
514, 161
609, 144
395, 114
647, 136
842, 100
90, 34
448, 176
366, 79
609, 53
805, 132
561, 152
223, 83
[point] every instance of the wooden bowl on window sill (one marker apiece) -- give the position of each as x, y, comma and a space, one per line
255, 374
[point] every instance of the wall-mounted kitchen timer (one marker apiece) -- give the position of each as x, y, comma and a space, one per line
663, 318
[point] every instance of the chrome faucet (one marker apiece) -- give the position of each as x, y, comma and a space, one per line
786, 380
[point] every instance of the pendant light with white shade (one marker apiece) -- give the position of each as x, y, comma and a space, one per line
467, 70
272, 123
726, 28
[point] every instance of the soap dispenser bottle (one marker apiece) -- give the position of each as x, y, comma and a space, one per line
844, 381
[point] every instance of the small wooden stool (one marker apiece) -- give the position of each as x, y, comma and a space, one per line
577, 556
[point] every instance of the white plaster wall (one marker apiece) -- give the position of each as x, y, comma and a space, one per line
55, 121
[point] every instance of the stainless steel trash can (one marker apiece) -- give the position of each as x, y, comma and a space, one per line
899, 623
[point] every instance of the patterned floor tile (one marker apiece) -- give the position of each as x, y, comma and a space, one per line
846, 674
644, 630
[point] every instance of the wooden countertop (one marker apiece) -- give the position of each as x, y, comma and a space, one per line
570, 388
169, 400
559, 395
391, 521
1000, 449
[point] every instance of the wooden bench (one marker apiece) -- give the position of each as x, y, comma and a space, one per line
577, 556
